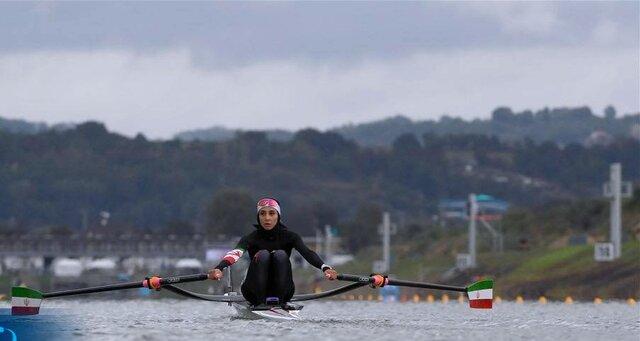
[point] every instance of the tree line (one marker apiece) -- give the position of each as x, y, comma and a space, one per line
560, 125
66, 178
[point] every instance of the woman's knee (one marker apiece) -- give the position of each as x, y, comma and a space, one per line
262, 256
280, 256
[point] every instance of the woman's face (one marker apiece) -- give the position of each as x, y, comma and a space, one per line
268, 218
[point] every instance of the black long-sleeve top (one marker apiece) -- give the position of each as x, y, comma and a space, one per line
278, 238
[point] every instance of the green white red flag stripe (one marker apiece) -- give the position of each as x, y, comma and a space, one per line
25, 301
481, 294
233, 256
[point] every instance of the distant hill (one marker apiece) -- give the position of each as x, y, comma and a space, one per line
219, 133
18, 126
51, 178
561, 125
22, 126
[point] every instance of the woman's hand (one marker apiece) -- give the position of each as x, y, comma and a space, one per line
215, 274
330, 274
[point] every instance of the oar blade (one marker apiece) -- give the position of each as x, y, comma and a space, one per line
481, 294
25, 301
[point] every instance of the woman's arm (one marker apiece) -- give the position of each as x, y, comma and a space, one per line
308, 254
228, 259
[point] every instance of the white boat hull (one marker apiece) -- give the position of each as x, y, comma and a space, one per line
274, 313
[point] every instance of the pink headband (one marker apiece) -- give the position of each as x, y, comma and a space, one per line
268, 202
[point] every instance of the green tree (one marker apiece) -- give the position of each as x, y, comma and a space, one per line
610, 113
363, 230
231, 213
502, 114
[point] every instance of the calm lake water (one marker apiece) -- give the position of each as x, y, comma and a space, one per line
167, 319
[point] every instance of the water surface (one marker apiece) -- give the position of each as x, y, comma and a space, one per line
168, 319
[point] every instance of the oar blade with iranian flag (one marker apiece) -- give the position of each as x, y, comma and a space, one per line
481, 294
25, 301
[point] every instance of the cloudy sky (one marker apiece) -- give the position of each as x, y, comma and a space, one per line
160, 68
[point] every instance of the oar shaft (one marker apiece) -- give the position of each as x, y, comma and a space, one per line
426, 285
128, 285
369, 280
102, 288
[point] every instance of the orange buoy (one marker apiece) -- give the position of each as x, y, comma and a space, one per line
461, 299
430, 298
497, 299
445, 298
597, 300
542, 300
568, 300
631, 301
416, 298
519, 299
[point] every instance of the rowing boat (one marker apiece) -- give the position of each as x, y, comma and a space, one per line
27, 301
273, 312
243, 309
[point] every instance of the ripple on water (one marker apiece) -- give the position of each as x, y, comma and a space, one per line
336, 320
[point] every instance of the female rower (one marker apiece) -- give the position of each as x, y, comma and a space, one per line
269, 248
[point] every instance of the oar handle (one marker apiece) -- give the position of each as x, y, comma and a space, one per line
370, 280
354, 278
127, 285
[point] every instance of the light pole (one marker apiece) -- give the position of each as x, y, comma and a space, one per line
616, 189
473, 213
386, 229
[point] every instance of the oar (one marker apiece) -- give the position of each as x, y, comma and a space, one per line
26, 301
480, 293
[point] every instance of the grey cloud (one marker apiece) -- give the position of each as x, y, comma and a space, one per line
225, 34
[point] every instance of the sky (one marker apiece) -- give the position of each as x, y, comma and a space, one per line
160, 67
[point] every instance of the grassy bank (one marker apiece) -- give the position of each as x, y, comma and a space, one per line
553, 273
570, 271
